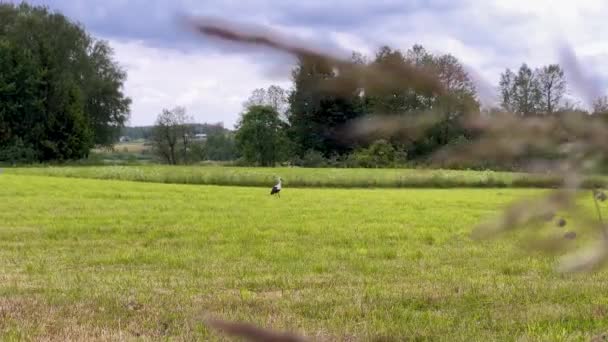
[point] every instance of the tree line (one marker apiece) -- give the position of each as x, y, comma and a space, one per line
302, 125
60, 90
304, 128
540, 92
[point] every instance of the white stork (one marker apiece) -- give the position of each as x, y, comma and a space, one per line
276, 189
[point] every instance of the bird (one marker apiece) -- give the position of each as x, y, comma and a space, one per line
276, 189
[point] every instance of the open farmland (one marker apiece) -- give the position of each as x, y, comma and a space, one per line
90, 259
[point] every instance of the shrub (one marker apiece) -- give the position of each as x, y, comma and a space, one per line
313, 158
18, 153
380, 153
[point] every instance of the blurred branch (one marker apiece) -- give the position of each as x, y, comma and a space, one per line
252, 333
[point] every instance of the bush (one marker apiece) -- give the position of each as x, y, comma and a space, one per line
220, 147
337, 161
195, 153
380, 153
18, 153
313, 159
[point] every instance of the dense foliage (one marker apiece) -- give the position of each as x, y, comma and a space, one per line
60, 90
220, 146
324, 99
260, 137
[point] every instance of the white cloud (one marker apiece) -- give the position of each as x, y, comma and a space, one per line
487, 36
211, 86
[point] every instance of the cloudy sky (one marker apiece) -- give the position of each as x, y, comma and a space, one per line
168, 66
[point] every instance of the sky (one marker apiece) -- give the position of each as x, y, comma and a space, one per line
168, 66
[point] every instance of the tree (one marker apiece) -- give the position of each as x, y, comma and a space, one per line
399, 98
220, 146
62, 92
48, 130
527, 91
460, 98
418, 55
257, 98
277, 99
172, 135
552, 87
260, 137
571, 107
532, 93
324, 98
461, 95
274, 96
106, 103
521, 93
600, 106
395, 98
507, 90
21, 87
454, 77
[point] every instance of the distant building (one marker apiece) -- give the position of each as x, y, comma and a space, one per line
200, 137
124, 139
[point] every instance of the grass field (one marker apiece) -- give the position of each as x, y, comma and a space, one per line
305, 177
129, 153
127, 147
90, 259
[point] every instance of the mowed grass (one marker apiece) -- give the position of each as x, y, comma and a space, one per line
110, 260
305, 177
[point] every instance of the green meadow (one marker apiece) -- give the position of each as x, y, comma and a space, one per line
91, 259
